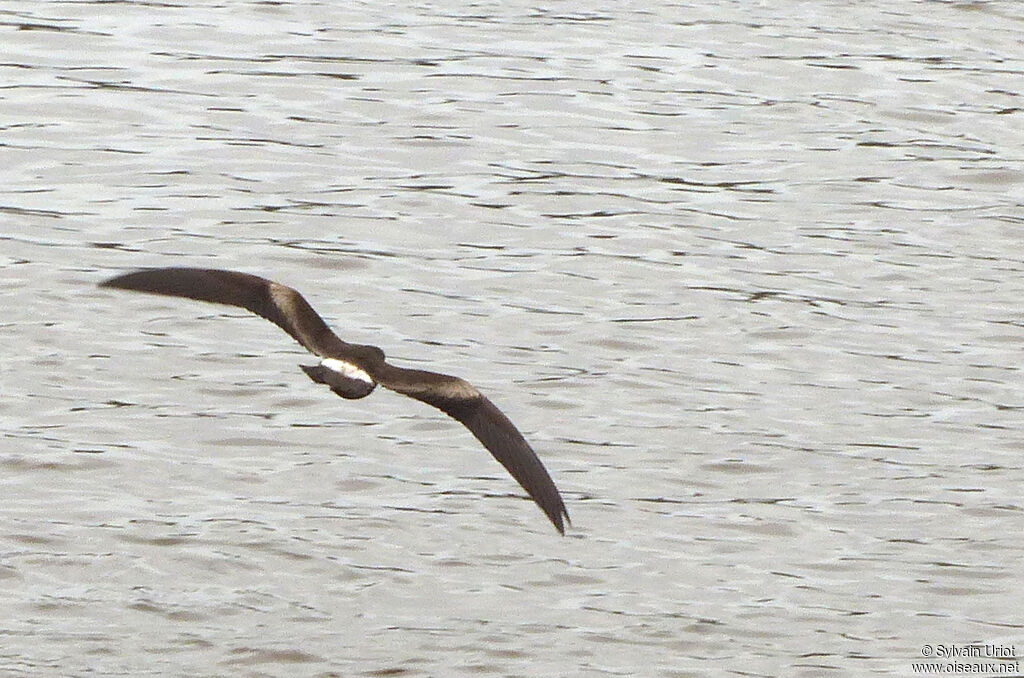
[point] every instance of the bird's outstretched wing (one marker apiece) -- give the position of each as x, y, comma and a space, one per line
461, 401
279, 304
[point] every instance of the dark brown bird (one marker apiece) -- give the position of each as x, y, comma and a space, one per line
353, 370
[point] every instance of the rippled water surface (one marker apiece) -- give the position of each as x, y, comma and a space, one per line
748, 276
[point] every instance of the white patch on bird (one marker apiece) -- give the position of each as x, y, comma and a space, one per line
346, 369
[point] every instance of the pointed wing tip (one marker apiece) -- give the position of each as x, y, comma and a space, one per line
556, 518
112, 282
138, 279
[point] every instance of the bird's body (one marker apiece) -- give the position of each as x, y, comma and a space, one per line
346, 379
353, 370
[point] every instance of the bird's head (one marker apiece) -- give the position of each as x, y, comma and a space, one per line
369, 355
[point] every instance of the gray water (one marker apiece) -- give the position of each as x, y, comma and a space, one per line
747, 275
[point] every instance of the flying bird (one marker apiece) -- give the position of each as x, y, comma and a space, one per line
353, 370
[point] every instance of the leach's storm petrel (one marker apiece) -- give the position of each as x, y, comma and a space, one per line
353, 370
